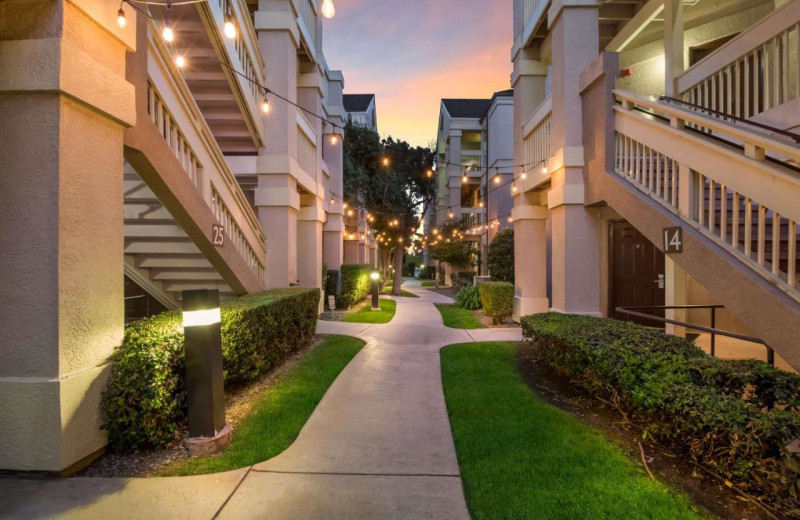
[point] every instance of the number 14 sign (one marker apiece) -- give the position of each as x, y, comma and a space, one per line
673, 240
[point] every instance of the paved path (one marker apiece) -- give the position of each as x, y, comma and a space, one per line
378, 446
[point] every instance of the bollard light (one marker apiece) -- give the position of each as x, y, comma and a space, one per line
375, 276
205, 393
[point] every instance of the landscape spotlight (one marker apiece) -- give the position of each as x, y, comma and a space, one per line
205, 395
375, 276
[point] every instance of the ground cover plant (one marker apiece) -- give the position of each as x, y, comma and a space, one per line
734, 417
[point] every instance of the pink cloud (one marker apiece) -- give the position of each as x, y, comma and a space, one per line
412, 53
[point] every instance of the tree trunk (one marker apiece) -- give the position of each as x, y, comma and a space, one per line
398, 270
436, 275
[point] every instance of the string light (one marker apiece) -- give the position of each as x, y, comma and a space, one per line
524, 176
429, 173
328, 9
544, 169
180, 61
497, 179
229, 29
465, 178
334, 139
121, 21
514, 188
449, 214
385, 161
168, 33
265, 106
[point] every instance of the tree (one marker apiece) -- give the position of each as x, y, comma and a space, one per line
388, 178
446, 244
501, 256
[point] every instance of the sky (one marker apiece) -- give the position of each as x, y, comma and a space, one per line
413, 53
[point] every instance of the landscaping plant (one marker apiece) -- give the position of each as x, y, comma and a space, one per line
501, 256
469, 298
497, 299
356, 284
144, 403
732, 416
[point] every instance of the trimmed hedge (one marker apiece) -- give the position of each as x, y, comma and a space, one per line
332, 283
734, 416
497, 299
501, 256
144, 403
355, 284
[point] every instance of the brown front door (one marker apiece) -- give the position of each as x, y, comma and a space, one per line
636, 266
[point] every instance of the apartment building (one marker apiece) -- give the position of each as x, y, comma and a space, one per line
474, 173
660, 147
146, 152
361, 110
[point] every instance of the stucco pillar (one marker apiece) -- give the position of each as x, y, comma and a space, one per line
277, 204
575, 230
528, 213
350, 249
530, 256
333, 243
64, 103
277, 198
309, 242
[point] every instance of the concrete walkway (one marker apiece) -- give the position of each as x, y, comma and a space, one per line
378, 446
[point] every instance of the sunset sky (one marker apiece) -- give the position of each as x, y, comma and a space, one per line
412, 53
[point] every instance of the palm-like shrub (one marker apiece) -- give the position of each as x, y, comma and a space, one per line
469, 298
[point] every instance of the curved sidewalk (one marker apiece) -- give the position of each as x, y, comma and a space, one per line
378, 446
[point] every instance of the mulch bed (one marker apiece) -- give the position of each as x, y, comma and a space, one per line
676, 470
238, 403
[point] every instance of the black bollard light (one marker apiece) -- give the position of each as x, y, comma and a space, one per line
205, 394
375, 303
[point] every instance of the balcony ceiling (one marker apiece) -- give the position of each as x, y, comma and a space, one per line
213, 87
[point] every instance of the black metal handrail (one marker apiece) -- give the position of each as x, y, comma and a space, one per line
713, 330
786, 133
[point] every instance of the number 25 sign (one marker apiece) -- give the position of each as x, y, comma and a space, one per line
217, 235
673, 240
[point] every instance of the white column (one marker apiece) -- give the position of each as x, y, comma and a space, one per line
673, 45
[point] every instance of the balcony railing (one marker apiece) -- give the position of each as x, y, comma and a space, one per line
754, 72
536, 141
734, 194
308, 17
528, 9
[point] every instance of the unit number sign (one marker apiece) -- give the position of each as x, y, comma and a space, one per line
673, 240
217, 235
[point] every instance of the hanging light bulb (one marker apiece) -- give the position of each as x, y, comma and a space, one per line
465, 178
449, 214
121, 21
544, 169
385, 161
180, 61
514, 188
510, 219
480, 204
497, 179
429, 173
265, 106
524, 176
168, 33
328, 10
334, 139
229, 29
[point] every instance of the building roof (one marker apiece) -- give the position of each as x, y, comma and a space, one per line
467, 108
357, 102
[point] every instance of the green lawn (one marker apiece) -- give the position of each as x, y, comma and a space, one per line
366, 315
403, 293
521, 458
276, 419
428, 284
458, 318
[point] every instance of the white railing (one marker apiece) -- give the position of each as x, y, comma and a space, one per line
536, 140
527, 10
245, 46
306, 152
754, 72
736, 197
165, 123
650, 170
308, 15
235, 234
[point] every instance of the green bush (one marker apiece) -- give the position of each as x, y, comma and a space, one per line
497, 299
469, 298
501, 256
144, 403
332, 283
733, 416
355, 284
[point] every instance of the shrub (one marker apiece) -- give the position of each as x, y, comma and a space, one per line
497, 299
355, 284
469, 298
332, 283
501, 256
733, 416
144, 403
